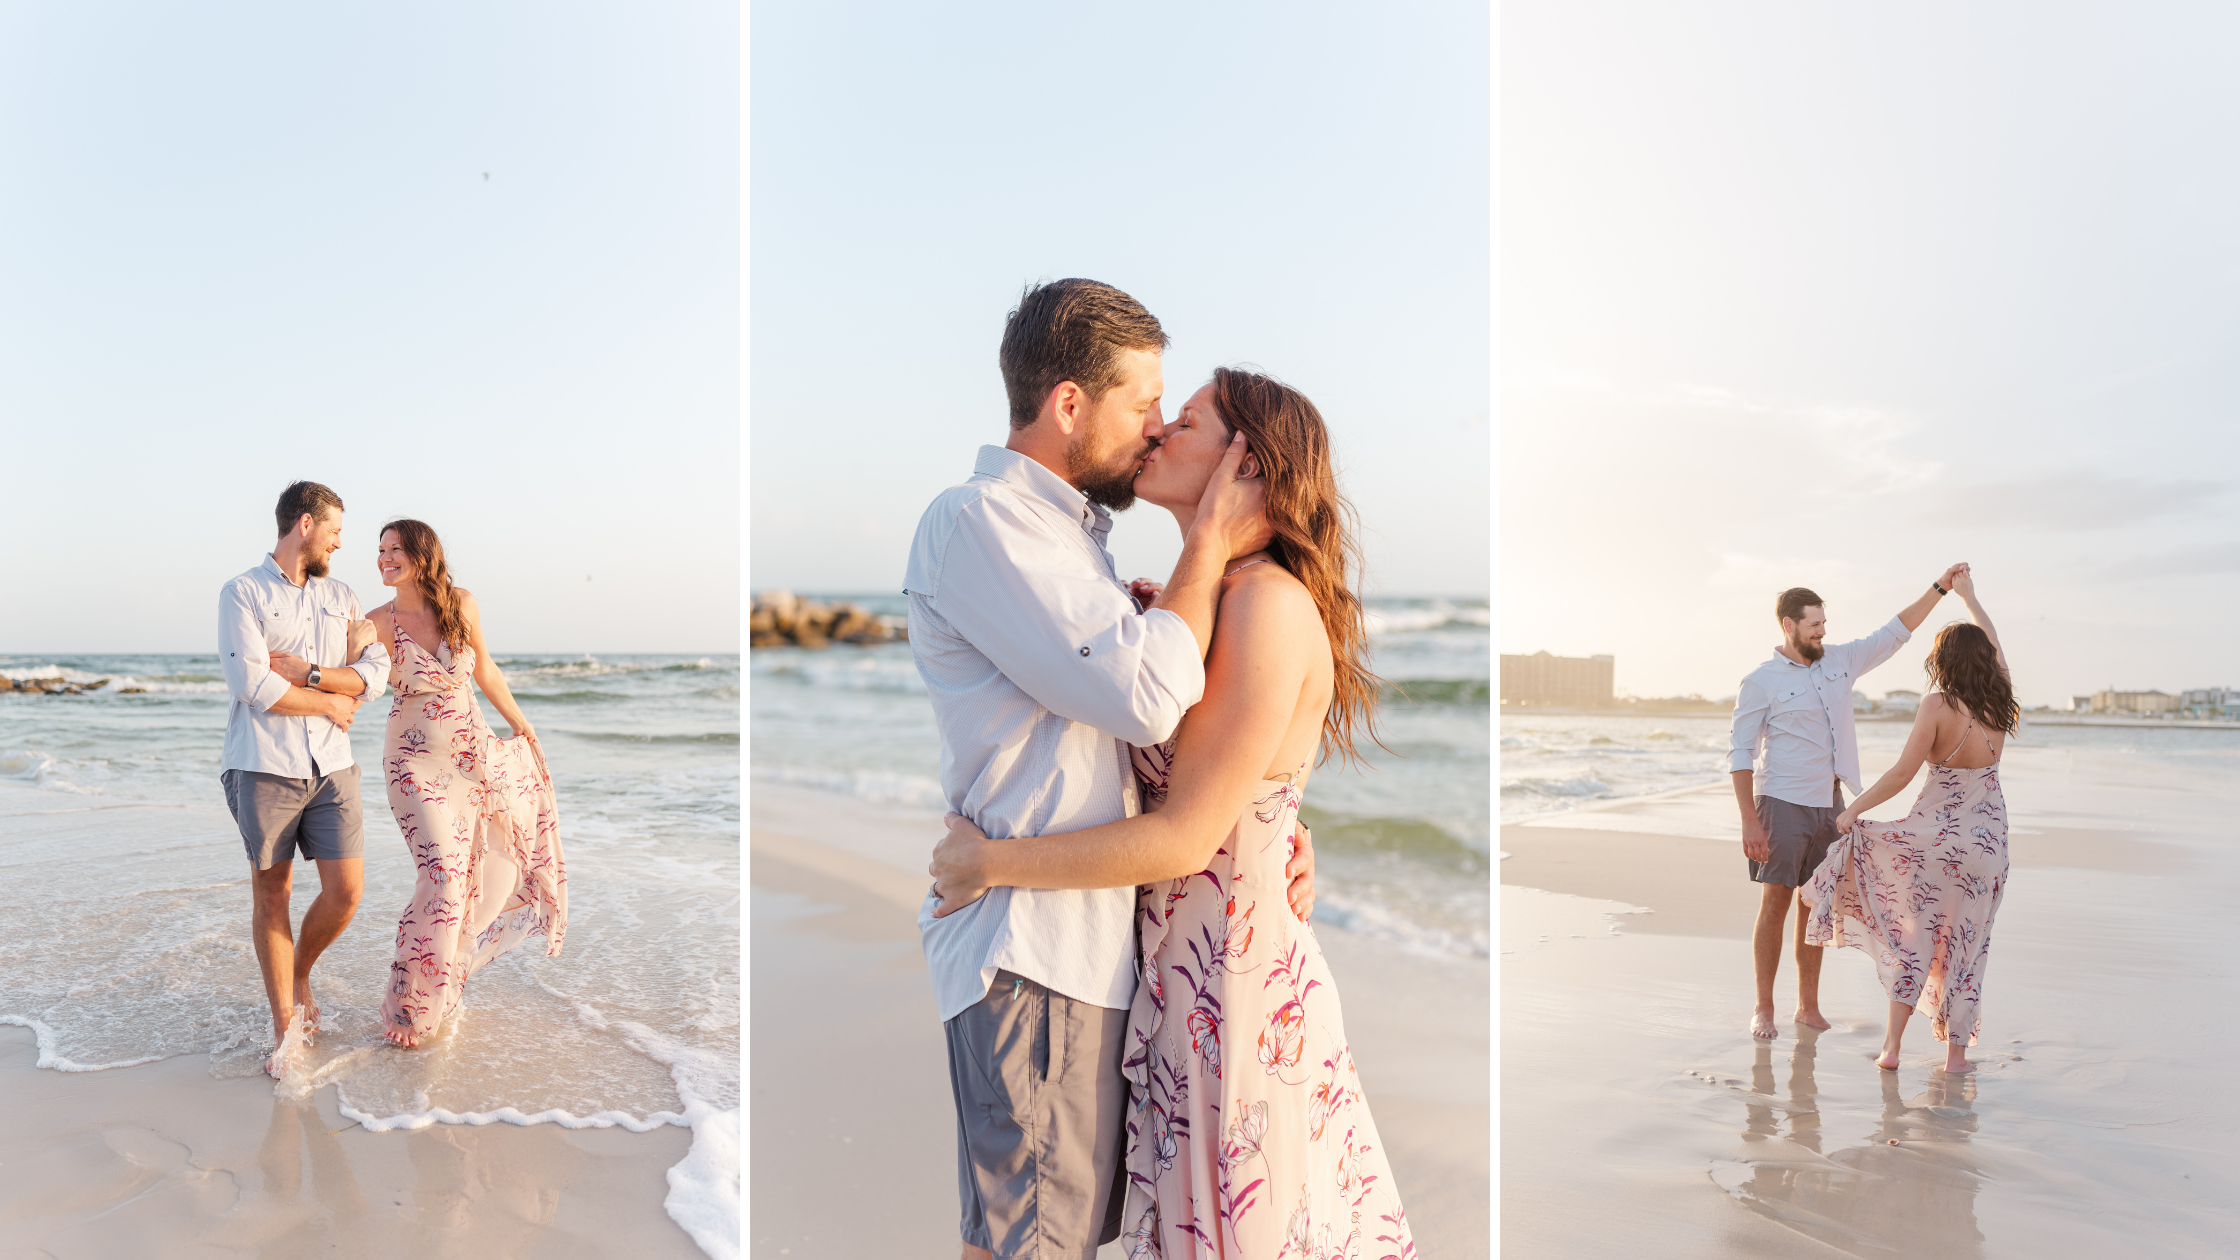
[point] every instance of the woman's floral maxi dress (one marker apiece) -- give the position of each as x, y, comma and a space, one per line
1248, 1136
478, 814
1919, 895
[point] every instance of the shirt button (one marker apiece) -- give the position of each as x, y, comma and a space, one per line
1084, 651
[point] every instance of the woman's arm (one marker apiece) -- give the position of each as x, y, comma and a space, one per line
1909, 762
1964, 584
487, 675
1263, 646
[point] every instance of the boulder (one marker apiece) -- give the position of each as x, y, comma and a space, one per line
782, 619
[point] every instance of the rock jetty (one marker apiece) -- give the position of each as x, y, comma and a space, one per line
53, 686
783, 619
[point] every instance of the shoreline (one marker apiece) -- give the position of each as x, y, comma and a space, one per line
162, 1159
1635, 1099
853, 1137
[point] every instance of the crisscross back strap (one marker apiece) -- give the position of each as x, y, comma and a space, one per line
1963, 741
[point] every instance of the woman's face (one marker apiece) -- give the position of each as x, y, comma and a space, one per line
1190, 447
394, 564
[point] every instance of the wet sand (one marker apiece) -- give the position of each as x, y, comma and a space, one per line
1639, 1118
162, 1160
852, 1150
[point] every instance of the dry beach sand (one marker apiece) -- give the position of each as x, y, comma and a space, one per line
1638, 1118
852, 1149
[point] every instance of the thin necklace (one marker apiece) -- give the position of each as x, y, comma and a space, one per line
1246, 565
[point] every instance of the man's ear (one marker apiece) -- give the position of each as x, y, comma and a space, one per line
1066, 403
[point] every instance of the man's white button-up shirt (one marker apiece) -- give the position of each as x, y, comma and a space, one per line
1793, 724
1042, 670
262, 612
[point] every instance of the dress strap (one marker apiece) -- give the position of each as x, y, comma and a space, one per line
1963, 741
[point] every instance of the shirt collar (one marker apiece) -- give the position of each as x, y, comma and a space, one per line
1031, 478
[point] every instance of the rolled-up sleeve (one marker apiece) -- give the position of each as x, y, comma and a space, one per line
372, 664
242, 653
1750, 707
1067, 636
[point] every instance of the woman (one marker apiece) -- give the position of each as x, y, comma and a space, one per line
1248, 1135
476, 811
1919, 895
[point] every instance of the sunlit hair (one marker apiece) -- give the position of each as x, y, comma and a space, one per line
1965, 666
433, 577
1314, 534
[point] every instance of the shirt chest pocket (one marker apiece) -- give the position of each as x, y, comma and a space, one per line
1794, 697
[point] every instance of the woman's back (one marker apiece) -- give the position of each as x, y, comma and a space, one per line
1962, 741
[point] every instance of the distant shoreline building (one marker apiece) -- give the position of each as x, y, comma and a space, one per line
2112, 701
2211, 702
1584, 682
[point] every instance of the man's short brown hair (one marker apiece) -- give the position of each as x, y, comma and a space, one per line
301, 497
1070, 330
1791, 603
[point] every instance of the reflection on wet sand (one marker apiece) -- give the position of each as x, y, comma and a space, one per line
1909, 1189
295, 1125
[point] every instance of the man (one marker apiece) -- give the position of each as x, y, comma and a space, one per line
288, 773
1042, 669
1793, 747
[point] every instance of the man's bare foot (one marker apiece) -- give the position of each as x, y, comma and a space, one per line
1762, 1026
287, 1041
1887, 1060
1811, 1018
310, 1008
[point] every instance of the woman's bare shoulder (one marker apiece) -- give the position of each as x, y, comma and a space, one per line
1271, 607
384, 613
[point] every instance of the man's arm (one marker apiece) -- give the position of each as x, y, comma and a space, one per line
1751, 705
340, 681
1036, 605
1229, 524
248, 671
1915, 613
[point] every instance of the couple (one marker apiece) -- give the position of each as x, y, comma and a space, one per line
476, 811
1917, 895
1141, 1028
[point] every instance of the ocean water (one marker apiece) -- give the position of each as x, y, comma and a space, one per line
1555, 764
1402, 842
125, 891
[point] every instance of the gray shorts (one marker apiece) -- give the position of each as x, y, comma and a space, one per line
1040, 1105
278, 816
1801, 836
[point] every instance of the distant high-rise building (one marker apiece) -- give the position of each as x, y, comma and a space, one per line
1585, 682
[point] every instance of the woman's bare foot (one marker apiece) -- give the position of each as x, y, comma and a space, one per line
402, 1037
1956, 1062
1762, 1026
1887, 1060
1811, 1018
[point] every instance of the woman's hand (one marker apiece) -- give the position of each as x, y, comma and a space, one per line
1300, 871
959, 866
1846, 820
1963, 582
522, 730
1147, 592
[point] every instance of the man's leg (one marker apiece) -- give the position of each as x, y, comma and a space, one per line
1765, 948
342, 882
276, 947
1808, 972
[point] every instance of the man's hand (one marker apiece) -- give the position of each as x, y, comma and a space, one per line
1230, 510
958, 875
1948, 579
293, 668
1301, 871
1757, 842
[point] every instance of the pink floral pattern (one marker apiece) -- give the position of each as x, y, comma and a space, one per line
1248, 1136
478, 814
1918, 896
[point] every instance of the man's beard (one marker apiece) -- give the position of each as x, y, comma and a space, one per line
1809, 650
314, 566
1113, 486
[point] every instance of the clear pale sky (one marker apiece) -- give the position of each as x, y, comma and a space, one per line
246, 243
1834, 296
1304, 187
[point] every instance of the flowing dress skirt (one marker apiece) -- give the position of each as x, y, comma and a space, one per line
1919, 896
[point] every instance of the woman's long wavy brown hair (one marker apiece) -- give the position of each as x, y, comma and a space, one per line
433, 577
1314, 535
1965, 666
